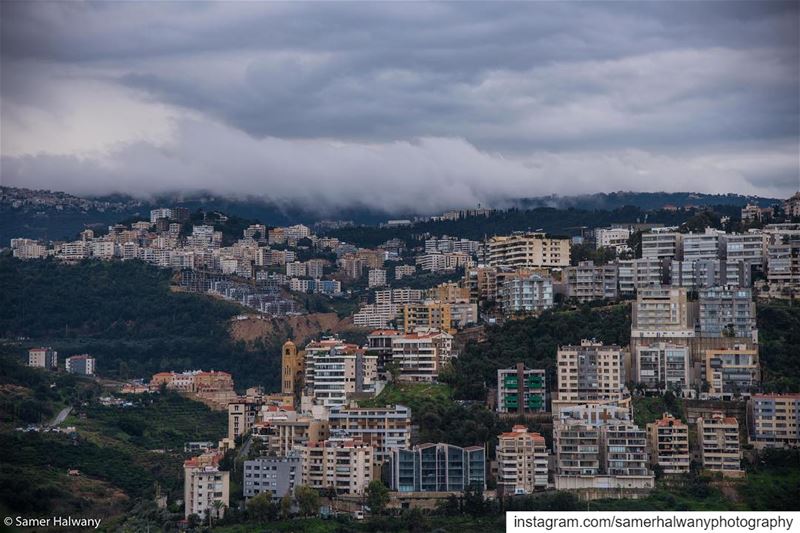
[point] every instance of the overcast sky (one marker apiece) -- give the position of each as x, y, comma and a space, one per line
405, 106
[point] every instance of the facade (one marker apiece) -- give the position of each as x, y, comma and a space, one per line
732, 372
783, 262
335, 370
636, 274
379, 343
383, 428
203, 484
526, 294
428, 315
589, 373
774, 420
276, 476
706, 245
599, 447
616, 238
242, 414
376, 278
527, 250
662, 243
81, 364
344, 464
521, 390
663, 366
727, 312
43, 358
719, 444
750, 247
437, 468
587, 282
668, 440
420, 356
521, 462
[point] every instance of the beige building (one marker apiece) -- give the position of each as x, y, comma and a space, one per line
383, 428
668, 441
43, 358
719, 444
774, 420
204, 484
428, 315
528, 250
589, 373
292, 363
732, 371
344, 464
421, 355
521, 461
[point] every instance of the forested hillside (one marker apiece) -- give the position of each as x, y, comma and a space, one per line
125, 315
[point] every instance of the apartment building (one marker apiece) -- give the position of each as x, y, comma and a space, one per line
193, 381
203, 484
289, 431
663, 366
437, 468
732, 372
344, 464
636, 274
783, 262
719, 444
295, 269
383, 428
335, 370
377, 315
662, 312
727, 312
43, 358
448, 292
521, 390
442, 262
163, 212
599, 447
668, 441
242, 414
706, 245
421, 355
428, 315
482, 283
526, 293
774, 420
83, 365
529, 250
750, 247
402, 271
376, 277
587, 282
589, 373
273, 475
28, 249
379, 343
521, 462
616, 238
398, 296
662, 243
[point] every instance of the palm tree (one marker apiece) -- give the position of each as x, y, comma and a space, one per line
217, 505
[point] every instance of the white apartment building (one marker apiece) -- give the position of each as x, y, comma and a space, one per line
442, 262
719, 444
163, 212
295, 269
377, 315
587, 282
668, 439
376, 278
663, 366
204, 484
616, 238
383, 428
599, 447
335, 370
398, 296
43, 358
662, 243
636, 274
401, 271
421, 355
526, 294
706, 245
521, 461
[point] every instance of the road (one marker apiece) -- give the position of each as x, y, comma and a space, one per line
60, 417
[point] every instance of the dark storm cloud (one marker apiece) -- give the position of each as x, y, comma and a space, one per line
535, 90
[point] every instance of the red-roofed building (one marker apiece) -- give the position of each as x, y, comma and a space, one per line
521, 462
204, 484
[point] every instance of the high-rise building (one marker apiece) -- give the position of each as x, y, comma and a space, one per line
636, 274
662, 243
706, 245
616, 238
668, 438
421, 356
376, 278
521, 461
521, 390
774, 420
587, 282
719, 444
526, 293
589, 373
598, 447
663, 366
438, 468
526, 250
383, 428
335, 370
43, 358
428, 315
727, 312
344, 464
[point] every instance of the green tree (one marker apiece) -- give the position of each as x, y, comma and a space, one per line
262, 508
377, 496
307, 499
286, 506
